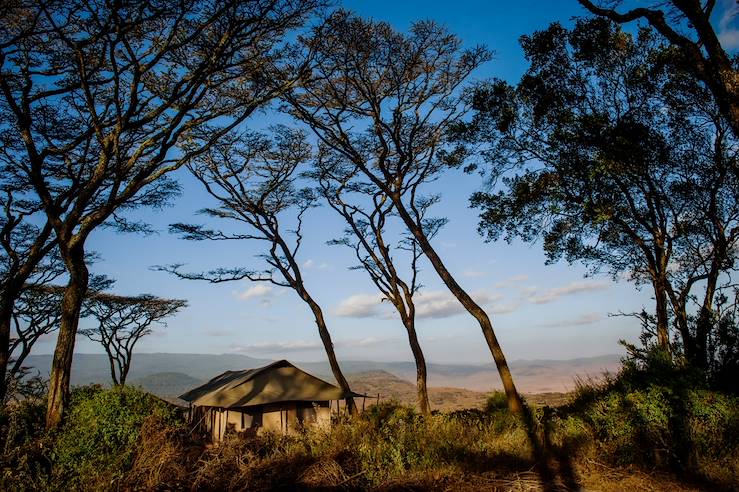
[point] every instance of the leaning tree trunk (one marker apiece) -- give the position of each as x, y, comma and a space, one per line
329, 347
421, 377
515, 404
61, 366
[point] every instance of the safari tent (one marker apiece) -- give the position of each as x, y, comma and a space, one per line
277, 397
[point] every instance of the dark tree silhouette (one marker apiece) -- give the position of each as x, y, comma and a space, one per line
383, 102
368, 214
36, 314
24, 247
121, 322
686, 24
614, 156
253, 179
106, 99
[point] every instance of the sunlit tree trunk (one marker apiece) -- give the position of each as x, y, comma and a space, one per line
515, 404
421, 375
61, 367
330, 353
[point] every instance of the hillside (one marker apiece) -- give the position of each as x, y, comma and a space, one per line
392, 387
167, 384
532, 376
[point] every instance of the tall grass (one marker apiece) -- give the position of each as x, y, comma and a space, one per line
132, 441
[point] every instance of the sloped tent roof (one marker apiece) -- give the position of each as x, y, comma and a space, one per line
277, 382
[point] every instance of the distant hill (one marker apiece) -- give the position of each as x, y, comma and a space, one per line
392, 387
531, 376
93, 368
167, 384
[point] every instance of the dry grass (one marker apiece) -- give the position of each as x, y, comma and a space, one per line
395, 451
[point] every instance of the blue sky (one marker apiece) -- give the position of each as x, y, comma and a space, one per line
539, 311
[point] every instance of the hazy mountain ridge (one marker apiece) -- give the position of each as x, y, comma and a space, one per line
532, 376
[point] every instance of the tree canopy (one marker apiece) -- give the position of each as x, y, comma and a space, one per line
614, 156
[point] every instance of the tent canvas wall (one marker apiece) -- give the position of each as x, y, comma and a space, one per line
278, 397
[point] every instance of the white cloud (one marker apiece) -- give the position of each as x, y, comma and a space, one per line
473, 274
504, 308
551, 295
313, 264
360, 306
255, 291
216, 332
431, 304
365, 342
583, 319
272, 347
442, 304
511, 281
308, 345
436, 304
728, 25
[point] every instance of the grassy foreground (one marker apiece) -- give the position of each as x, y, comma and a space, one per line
635, 431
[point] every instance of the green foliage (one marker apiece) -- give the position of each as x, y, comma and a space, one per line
21, 423
496, 401
97, 442
647, 415
389, 413
24, 464
659, 413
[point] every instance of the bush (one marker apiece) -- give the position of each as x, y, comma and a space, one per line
655, 412
389, 413
496, 401
97, 442
25, 464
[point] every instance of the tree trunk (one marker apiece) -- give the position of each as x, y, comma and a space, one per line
515, 404
74, 294
111, 363
423, 396
681, 321
6, 317
705, 316
126, 366
663, 334
329, 347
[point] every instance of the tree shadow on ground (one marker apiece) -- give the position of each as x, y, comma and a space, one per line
554, 463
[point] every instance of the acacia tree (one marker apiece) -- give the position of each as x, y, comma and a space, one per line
24, 246
383, 102
367, 213
614, 157
37, 314
107, 99
37, 311
121, 322
253, 180
686, 25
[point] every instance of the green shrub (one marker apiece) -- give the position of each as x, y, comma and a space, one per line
658, 412
496, 401
24, 463
96, 444
389, 413
21, 422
